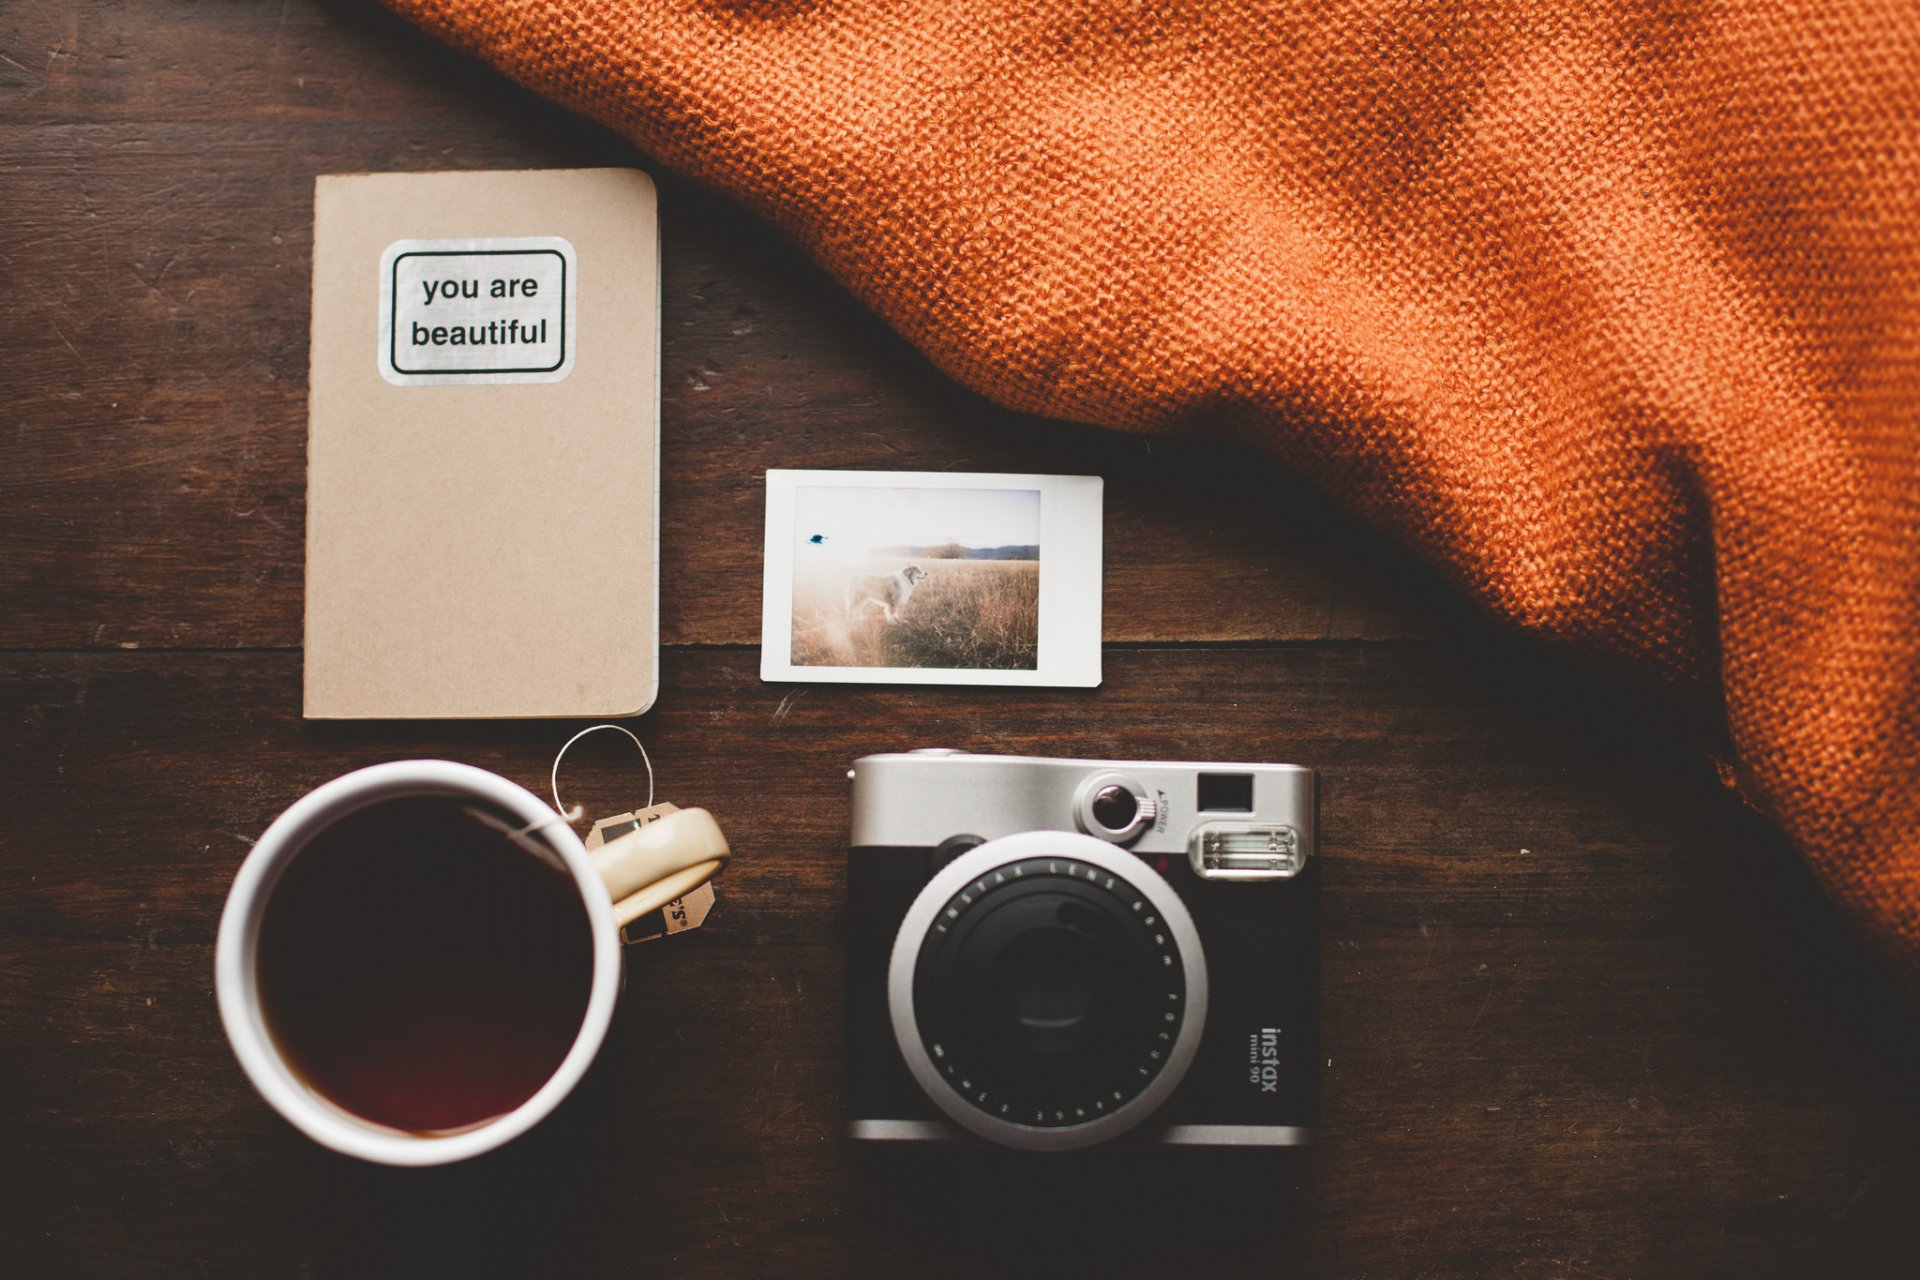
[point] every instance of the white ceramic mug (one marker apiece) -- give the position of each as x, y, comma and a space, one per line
641, 871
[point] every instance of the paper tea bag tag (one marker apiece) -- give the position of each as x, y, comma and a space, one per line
678, 916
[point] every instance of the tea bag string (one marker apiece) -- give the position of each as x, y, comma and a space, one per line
577, 812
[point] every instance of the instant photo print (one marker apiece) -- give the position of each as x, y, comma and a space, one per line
894, 577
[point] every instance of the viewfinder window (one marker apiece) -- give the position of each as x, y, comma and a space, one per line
1227, 792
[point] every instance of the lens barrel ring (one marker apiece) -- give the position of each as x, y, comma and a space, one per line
982, 863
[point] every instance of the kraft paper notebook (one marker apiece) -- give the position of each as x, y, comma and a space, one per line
483, 446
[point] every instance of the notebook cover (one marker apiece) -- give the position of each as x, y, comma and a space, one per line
483, 446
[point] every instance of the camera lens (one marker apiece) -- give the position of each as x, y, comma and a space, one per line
1047, 998
1049, 995
1114, 807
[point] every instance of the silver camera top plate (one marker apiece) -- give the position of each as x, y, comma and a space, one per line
919, 798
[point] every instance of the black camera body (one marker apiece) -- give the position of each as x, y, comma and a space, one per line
1049, 954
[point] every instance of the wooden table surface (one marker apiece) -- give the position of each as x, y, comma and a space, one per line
1584, 1017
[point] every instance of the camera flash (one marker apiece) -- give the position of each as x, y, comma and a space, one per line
1245, 851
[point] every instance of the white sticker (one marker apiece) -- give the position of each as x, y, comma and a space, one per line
486, 310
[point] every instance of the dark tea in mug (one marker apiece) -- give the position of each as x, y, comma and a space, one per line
422, 968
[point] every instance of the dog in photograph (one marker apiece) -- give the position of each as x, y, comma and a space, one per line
890, 591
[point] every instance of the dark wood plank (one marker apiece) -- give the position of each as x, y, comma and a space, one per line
95, 61
1583, 1016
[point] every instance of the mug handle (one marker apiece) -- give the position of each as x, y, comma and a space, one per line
660, 861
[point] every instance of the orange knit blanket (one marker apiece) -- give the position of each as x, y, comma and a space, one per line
1612, 310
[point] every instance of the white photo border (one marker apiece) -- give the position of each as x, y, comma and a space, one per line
1071, 536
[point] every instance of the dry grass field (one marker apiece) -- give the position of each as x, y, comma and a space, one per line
970, 614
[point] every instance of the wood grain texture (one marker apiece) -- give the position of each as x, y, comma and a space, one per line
1561, 1026
1584, 1016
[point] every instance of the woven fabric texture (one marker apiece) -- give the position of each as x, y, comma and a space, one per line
1613, 311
